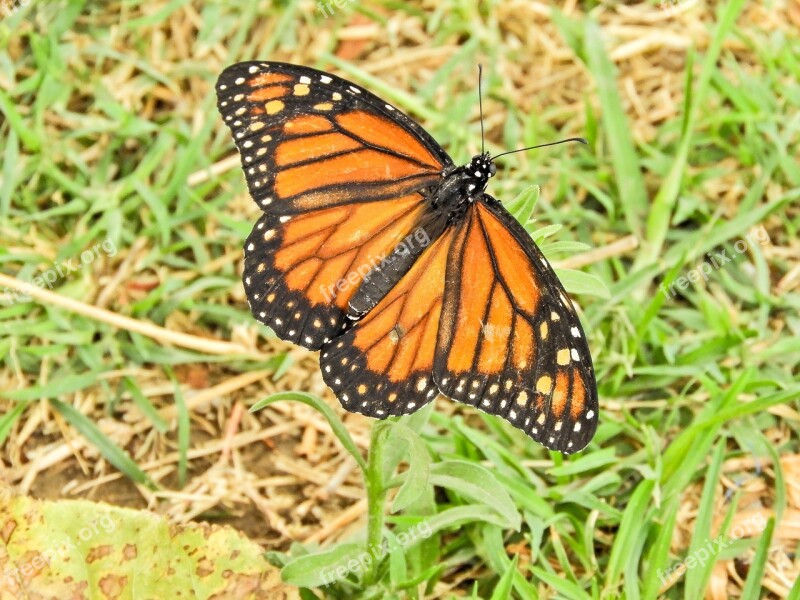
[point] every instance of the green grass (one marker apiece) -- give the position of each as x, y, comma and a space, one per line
106, 115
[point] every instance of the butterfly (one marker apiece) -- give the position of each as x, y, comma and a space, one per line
377, 250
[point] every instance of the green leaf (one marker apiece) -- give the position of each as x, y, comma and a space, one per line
183, 428
578, 282
22, 128
563, 246
794, 593
110, 451
477, 484
490, 544
629, 530
697, 578
326, 411
752, 586
58, 386
503, 589
145, 405
659, 219
323, 568
522, 206
80, 549
561, 585
415, 479
462, 515
545, 232
659, 553
586, 462
7, 420
627, 169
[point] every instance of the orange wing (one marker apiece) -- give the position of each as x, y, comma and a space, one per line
338, 173
301, 271
383, 365
510, 341
309, 140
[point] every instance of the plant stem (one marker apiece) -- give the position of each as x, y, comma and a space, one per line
376, 497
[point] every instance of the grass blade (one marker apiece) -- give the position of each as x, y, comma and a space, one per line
110, 451
326, 411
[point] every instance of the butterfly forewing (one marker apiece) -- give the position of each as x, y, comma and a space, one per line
310, 140
338, 172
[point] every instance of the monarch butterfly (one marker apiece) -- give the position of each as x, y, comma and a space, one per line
377, 250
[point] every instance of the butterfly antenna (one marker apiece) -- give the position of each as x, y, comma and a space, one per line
480, 103
576, 139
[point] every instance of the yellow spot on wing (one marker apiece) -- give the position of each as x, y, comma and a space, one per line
544, 384
274, 106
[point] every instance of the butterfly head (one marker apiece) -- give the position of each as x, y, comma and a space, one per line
479, 170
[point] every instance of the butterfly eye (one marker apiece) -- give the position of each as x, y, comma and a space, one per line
492, 169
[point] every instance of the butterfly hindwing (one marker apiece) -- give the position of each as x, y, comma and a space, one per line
510, 341
310, 140
383, 365
301, 271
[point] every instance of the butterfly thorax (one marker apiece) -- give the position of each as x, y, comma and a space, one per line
461, 186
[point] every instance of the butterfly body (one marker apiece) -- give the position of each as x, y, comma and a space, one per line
461, 186
375, 249
448, 202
